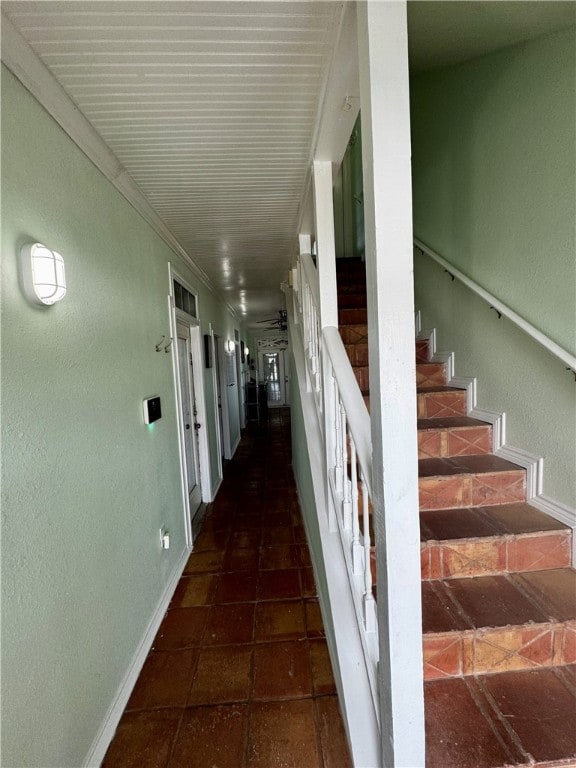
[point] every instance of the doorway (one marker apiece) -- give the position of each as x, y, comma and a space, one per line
275, 375
189, 423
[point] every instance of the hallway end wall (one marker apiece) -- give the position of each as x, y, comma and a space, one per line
86, 485
494, 178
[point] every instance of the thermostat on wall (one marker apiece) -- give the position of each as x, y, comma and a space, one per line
152, 410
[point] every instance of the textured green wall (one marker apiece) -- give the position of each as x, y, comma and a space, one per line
85, 486
494, 184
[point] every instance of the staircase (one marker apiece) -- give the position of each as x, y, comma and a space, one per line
499, 607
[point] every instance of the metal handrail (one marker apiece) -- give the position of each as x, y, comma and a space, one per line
559, 352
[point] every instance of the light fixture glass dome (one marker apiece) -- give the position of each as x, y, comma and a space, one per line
43, 274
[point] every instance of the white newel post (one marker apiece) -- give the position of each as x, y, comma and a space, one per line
326, 266
384, 97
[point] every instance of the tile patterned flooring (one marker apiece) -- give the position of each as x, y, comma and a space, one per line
239, 675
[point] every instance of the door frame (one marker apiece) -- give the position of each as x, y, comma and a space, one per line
195, 340
279, 345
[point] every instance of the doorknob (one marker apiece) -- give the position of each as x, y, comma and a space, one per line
196, 425
187, 426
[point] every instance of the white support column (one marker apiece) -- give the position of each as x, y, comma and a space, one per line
384, 97
326, 266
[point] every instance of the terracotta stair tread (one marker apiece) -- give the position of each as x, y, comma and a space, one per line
457, 465
477, 522
489, 721
511, 600
446, 422
440, 388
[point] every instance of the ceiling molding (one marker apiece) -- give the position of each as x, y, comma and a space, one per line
23, 62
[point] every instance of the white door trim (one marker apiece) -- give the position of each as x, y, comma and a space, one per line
193, 325
222, 389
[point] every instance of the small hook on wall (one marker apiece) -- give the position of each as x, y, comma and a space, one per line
159, 345
497, 312
167, 347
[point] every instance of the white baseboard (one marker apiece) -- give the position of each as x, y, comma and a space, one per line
216, 488
235, 446
562, 513
110, 723
534, 466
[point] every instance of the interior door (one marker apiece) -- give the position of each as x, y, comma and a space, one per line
275, 374
189, 421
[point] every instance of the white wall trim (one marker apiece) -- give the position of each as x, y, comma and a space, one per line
534, 466
112, 718
561, 512
23, 62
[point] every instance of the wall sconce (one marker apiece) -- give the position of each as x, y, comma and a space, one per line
43, 275
230, 346
247, 351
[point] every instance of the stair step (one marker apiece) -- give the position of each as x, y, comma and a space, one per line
353, 316
453, 436
350, 264
351, 284
494, 720
352, 298
423, 351
438, 402
490, 624
430, 374
466, 481
481, 541
362, 373
357, 353
355, 333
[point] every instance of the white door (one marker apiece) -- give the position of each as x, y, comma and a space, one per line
189, 420
274, 372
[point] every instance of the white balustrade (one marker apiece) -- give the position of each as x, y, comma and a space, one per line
349, 462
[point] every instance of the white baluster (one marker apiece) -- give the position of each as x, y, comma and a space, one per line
351, 500
369, 602
356, 545
344, 452
338, 442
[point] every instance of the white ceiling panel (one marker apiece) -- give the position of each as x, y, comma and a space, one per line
211, 107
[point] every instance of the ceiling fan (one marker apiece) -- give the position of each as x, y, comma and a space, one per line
280, 322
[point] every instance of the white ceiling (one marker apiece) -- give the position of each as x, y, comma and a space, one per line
214, 107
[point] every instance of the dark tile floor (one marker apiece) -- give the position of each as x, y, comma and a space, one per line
239, 675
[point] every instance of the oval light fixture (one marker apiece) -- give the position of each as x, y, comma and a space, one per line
43, 273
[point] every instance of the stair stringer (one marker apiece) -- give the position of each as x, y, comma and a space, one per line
534, 465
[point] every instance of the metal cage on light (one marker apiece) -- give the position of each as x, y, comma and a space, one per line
43, 274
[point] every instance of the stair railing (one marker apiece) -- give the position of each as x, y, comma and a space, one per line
307, 296
501, 308
348, 453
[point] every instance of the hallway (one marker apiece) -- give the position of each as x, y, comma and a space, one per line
239, 675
